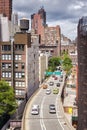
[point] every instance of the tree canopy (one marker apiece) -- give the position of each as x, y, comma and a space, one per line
7, 98
66, 63
53, 63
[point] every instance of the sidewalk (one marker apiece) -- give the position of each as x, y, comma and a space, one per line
69, 103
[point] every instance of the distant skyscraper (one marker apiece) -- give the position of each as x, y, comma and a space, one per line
82, 74
6, 8
38, 23
15, 18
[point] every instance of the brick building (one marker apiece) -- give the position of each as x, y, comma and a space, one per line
19, 64
82, 74
38, 23
6, 8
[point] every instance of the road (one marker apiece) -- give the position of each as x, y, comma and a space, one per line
45, 120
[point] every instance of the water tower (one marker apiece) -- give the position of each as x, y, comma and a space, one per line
24, 24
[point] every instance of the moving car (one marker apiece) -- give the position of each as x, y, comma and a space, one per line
58, 84
56, 78
48, 91
52, 108
55, 91
44, 86
51, 83
35, 110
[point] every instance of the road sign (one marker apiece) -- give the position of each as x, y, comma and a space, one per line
51, 73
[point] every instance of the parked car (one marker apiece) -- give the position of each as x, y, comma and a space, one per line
52, 108
48, 91
35, 110
55, 91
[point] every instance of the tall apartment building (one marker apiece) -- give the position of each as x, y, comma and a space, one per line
6, 8
38, 23
19, 63
82, 74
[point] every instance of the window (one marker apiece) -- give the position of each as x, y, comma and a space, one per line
17, 57
19, 75
6, 74
6, 65
6, 57
3, 65
19, 47
9, 82
20, 92
16, 66
19, 84
22, 66
6, 47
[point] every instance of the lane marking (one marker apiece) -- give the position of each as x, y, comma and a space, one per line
41, 115
57, 113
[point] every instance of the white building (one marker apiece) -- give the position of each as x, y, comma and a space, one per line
43, 65
33, 66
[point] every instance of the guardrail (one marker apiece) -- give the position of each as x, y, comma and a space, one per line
23, 118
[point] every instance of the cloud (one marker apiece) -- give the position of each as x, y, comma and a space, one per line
58, 11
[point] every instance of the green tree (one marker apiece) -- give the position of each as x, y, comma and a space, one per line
53, 63
66, 63
7, 99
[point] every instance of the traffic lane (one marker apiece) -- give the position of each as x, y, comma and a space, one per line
50, 120
33, 121
34, 124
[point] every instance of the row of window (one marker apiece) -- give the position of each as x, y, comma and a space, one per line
17, 83
19, 47
6, 57
6, 47
9, 57
20, 84
8, 65
19, 92
18, 57
22, 65
19, 75
8, 75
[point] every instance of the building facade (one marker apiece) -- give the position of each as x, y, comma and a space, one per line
38, 23
19, 65
82, 74
6, 8
43, 66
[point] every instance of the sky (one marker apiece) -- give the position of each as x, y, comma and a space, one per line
65, 13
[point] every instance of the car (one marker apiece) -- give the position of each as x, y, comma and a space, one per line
55, 91
61, 76
44, 86
35, 109
51, 83
48, 91
60, 80
52, 108
58, 84
56, 78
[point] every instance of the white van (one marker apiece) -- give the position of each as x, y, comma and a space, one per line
35, 110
